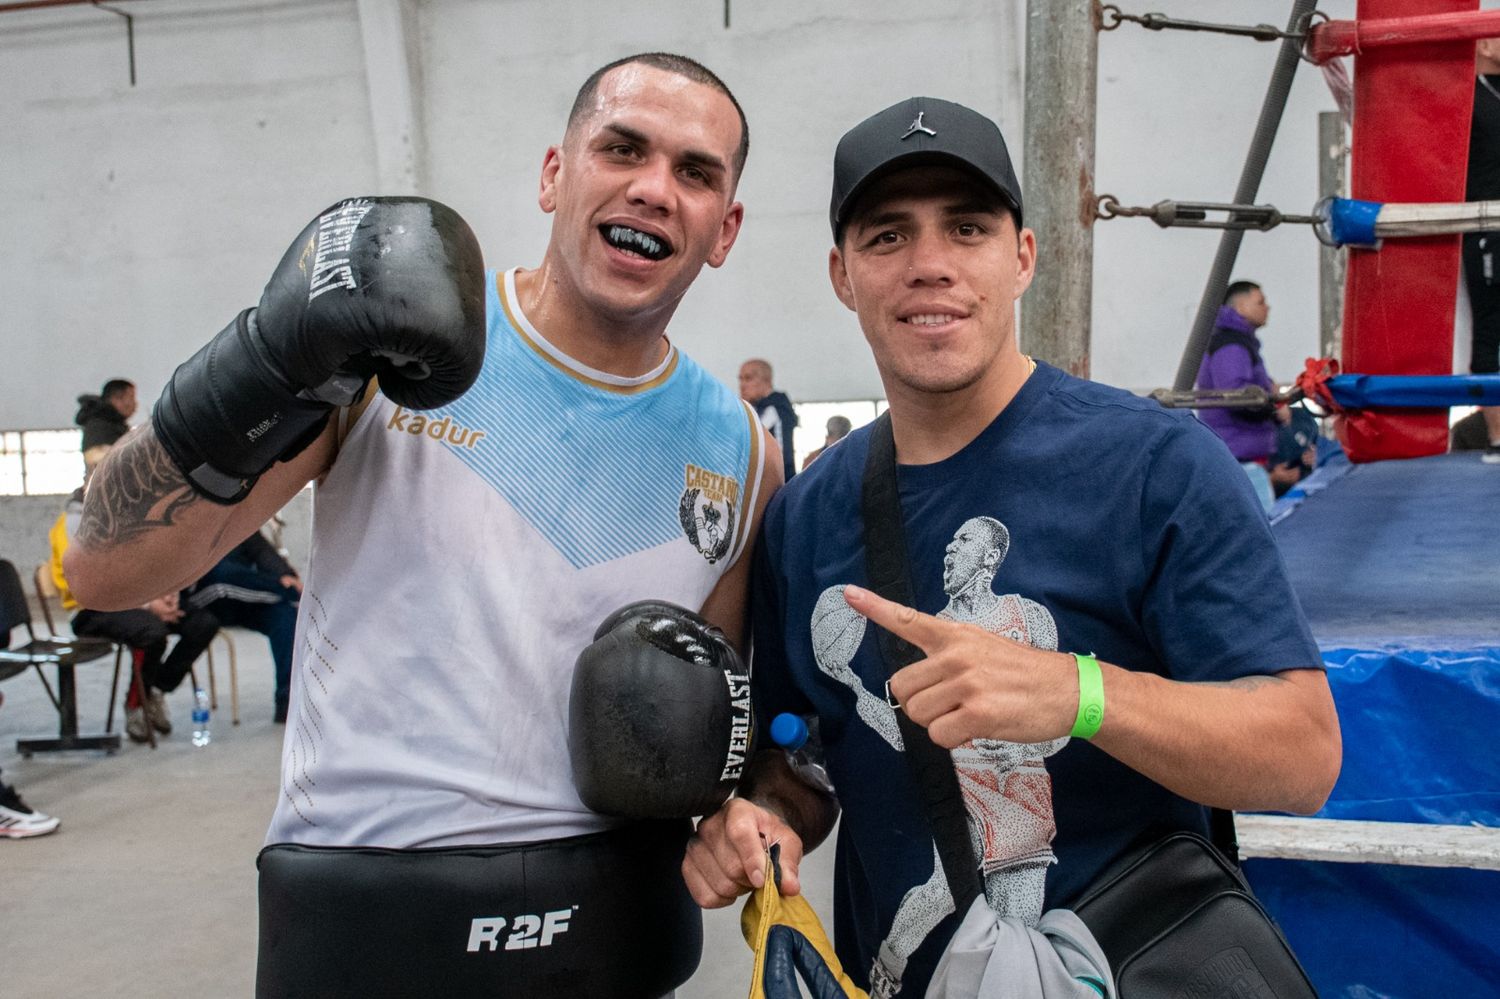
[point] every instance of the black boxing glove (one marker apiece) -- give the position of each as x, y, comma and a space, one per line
659, 716
387, 287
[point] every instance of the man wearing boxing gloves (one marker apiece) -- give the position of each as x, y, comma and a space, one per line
1106, 639
537, 455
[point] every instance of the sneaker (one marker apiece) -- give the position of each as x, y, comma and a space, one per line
1491, 455
157, 713
135, 725
18, 820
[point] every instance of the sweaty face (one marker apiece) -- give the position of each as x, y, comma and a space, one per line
933, 265
643, 190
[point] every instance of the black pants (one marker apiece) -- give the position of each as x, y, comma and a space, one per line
1481, 258
605, 916
141, 629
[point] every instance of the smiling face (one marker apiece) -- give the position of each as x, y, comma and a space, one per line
933, 265
642, 192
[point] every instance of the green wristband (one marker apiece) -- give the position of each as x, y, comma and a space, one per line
1090, 697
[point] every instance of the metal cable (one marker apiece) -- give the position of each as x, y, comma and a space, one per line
1196, 214
1287, 58
1111, 17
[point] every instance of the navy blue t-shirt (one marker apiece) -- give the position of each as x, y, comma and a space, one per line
1083, 519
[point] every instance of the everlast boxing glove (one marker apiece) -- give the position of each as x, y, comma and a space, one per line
392, 287
659, 719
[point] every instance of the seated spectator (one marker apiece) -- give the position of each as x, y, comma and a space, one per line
1471, 433
1233, 361
838, 428
144, 630
1296, 450
104, 417
254, 587
19, 820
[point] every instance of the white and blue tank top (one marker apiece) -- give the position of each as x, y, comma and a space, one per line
462, 558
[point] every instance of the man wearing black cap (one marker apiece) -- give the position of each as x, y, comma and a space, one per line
1040, 512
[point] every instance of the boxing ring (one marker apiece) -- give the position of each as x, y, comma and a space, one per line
1387, 891
1392, 544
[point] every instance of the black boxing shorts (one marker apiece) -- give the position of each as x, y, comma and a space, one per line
603, 915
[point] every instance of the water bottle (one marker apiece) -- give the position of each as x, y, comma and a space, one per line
201, 734
791, 733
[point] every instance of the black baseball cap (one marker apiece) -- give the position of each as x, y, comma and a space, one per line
918, 131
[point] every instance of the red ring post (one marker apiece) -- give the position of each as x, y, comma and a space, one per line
1332, 39
1412, 105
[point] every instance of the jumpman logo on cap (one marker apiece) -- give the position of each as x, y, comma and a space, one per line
917, 126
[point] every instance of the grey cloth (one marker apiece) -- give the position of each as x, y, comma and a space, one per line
1003, 958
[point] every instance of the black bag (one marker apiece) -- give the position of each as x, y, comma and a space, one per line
1177, 920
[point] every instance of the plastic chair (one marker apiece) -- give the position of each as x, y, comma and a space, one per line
65, 654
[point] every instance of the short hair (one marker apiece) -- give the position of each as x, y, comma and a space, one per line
114, 387
760, 367
839, 427
682, 66
1238, 288
984, 194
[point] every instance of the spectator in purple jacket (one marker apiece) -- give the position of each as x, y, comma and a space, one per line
1233, 361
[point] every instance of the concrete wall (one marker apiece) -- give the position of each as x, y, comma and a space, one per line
24, 523
140, 219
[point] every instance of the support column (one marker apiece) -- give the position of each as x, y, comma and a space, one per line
391, 79
1333, 155
1057, 180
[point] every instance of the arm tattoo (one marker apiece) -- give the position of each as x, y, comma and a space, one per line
136, 490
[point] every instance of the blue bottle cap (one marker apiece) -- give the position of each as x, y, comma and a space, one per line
788, 731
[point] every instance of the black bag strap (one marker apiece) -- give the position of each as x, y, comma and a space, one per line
1222, 835
932, 768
